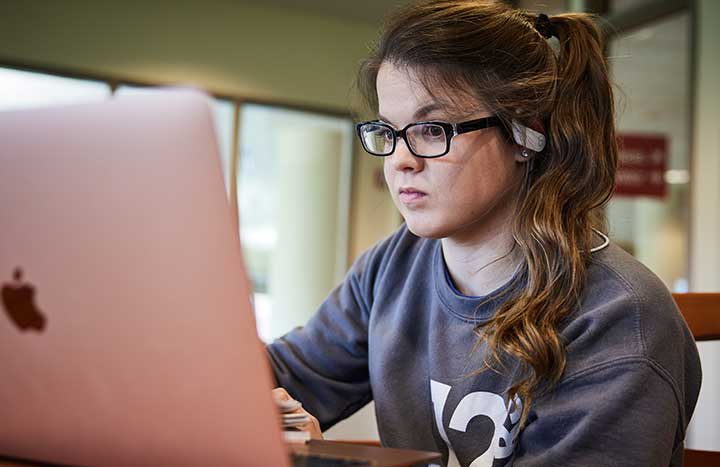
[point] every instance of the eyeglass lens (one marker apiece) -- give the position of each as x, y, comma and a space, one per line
425, 139
378, 139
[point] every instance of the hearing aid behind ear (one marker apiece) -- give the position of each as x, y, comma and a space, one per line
527, 137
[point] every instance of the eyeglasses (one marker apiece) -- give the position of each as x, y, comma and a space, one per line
423, 139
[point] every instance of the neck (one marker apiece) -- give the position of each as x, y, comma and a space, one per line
481, 262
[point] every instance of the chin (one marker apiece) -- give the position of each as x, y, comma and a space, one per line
425, 229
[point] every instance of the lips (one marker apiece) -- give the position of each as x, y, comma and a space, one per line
409, 195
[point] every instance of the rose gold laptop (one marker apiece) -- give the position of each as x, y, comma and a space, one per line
126, 331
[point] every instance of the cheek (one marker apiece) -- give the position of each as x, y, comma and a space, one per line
387, 172
469, 190
389, 176
483, 175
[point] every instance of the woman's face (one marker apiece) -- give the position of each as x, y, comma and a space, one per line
464, 194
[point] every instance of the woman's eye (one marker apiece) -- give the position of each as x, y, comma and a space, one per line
433, 131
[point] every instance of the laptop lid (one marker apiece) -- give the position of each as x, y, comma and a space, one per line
126, 330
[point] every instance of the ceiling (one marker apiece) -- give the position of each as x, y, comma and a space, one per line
373, 11
368, 11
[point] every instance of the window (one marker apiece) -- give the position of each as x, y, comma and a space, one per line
25, 89
294, 196
648, 214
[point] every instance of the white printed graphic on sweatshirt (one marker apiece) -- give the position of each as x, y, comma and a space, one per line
475, 404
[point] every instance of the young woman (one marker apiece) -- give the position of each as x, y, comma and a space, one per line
498, 325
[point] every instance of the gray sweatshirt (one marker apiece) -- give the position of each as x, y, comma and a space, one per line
396, 331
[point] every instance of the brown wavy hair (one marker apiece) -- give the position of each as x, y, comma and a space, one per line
491, 54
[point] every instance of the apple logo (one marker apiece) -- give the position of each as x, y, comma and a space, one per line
19, 302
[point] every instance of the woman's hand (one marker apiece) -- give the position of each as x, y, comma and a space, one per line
282, 398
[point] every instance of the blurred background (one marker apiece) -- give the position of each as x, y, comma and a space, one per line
309, 200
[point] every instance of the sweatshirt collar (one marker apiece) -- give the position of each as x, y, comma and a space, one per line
470, 308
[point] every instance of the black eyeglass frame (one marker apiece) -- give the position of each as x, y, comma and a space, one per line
451, 130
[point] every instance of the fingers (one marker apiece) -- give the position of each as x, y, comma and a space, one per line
313, 427
288, 405
281, 394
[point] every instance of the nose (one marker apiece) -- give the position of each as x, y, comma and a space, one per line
402, 160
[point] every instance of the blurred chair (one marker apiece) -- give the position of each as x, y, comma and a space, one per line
702, 313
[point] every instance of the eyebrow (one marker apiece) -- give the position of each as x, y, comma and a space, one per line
420, 113
425, 110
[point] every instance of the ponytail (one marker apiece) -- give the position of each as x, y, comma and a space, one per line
560, 206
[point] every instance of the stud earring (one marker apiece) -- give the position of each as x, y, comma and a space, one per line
525, 153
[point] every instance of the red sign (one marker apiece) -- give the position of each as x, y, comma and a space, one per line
642, 165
